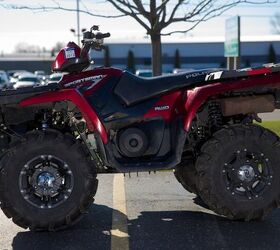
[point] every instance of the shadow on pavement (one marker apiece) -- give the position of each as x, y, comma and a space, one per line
159, 230
198, 230
92, 232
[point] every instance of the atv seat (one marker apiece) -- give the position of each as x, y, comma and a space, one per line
132, 89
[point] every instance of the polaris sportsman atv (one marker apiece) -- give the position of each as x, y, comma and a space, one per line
55, 139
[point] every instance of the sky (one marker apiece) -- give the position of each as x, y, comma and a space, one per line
46, 28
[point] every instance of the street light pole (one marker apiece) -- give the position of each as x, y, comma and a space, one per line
78, 22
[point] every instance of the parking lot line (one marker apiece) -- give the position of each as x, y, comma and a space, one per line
119, 232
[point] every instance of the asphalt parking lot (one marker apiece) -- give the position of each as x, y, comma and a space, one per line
147, 212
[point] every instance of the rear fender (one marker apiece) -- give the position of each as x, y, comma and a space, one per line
72, 95
197, 96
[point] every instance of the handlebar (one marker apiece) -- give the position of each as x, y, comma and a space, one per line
102, 35
93, 40
90, 35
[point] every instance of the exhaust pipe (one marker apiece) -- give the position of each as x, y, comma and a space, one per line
247, 105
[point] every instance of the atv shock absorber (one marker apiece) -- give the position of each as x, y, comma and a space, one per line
215, 117
201, 133
45, 121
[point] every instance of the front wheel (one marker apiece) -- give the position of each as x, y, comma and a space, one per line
47, 181
239, 173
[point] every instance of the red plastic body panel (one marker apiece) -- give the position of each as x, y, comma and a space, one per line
74, 96
166, 107
197, 96
70, 52
85, 78
259, 71
69, 83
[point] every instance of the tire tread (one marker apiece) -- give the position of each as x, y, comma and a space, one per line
86, 199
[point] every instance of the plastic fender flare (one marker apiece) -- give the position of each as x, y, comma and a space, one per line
197, 96
72, 95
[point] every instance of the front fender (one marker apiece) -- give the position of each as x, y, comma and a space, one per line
72, 95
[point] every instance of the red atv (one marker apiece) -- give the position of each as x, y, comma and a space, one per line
56, 138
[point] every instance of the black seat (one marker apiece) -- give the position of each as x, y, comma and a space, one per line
132, 89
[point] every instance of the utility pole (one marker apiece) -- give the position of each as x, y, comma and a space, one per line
78, 22
77, 32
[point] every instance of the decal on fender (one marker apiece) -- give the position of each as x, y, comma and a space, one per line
213, 76
95, 80
195, 74
161, 108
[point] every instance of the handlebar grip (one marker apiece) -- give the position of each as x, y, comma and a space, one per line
101, 35
106, 35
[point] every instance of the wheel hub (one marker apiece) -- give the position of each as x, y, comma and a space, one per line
46, 181
246, 173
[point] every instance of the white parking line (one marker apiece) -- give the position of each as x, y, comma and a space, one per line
119, 232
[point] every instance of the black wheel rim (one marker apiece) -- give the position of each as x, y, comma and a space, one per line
247, 174
46, 181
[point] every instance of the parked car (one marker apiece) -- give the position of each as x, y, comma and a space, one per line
177, 70
55, 77
14, 74
149, 72
4, 80
41, 75
40, 72
27, 80
144, 72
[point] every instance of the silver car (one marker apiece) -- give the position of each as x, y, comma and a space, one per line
27, 80
4, 80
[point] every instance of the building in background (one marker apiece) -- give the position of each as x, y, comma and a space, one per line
195, 54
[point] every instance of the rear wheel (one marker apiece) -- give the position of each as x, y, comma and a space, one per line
238, 172
186, 175
47, 181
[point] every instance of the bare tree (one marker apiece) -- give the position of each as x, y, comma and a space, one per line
155, 16
275, 21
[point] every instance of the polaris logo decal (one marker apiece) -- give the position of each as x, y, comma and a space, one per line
195, 74
161, 108
214, 76
95, 80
